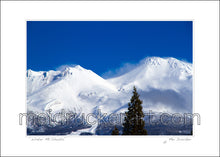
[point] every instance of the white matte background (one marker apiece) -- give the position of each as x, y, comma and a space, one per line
206, 76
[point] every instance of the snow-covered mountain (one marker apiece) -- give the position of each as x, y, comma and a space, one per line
164, 84
158, 73
74, 88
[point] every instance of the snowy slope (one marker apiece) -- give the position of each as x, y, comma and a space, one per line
159, 73
164, 84
65, 89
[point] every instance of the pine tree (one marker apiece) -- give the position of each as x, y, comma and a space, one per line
115, 131
133, 122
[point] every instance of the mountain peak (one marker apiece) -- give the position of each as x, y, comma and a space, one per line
31, 73
78, 67
155, 61
159, 59
69, 68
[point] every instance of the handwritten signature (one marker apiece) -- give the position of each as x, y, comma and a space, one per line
173, 139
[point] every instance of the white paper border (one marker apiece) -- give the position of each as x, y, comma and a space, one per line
206, 64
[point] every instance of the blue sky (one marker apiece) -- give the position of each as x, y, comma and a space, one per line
103, 46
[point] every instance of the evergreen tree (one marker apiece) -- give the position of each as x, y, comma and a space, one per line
115, 131
133, 122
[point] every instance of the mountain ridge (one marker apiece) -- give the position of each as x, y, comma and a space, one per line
164, 85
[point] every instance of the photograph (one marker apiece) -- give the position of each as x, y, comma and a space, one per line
109, 78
